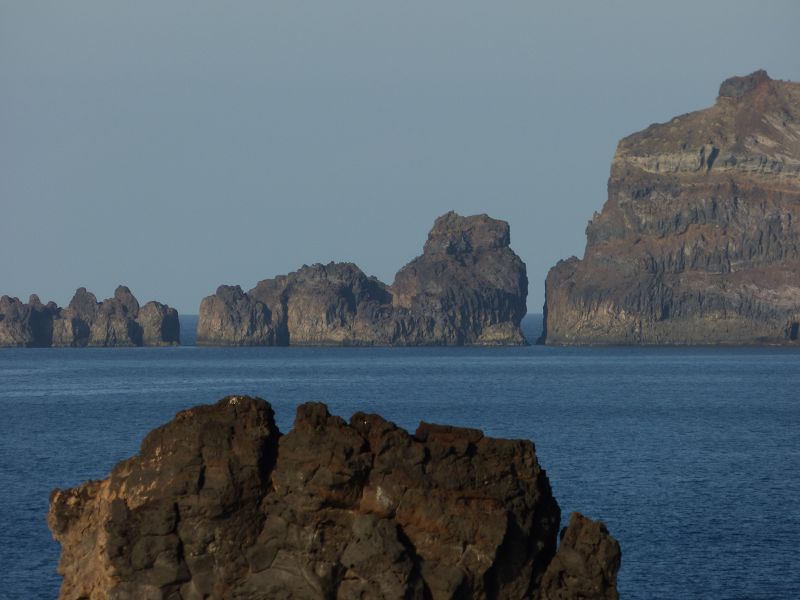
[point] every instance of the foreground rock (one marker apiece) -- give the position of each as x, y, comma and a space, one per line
468, 287
699, 241
585, 565
219, 505
117, 321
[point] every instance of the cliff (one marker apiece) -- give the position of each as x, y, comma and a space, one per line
467, 287
117, 321
699, 240
218, 504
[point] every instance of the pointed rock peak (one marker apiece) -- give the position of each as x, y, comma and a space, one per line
230, 292
122, 291
126, 298
84, 302
737, 87
7, 302
454, 234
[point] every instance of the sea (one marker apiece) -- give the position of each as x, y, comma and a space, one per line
691, 456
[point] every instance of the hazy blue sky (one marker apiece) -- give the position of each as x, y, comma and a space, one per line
176, 145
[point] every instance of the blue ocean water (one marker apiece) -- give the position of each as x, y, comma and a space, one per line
690, 455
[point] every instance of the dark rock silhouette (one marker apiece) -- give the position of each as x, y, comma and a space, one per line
585, 565
218, 504
468, 287
699, 241
117, 321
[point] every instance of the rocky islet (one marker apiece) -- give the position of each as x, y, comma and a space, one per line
467, 288
219, 504
117, 321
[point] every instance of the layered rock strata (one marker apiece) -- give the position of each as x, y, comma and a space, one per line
218, 504
467, 288
699, 241
117, 321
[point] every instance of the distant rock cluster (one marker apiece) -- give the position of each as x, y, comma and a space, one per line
219, 504
467, 288
117, 321
699, 241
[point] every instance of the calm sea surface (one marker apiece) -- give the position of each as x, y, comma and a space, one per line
690, 455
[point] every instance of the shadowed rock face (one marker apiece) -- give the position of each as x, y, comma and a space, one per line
232, 318
585, 565
218, 504
23, 324
468, 287
117, 321
699, 241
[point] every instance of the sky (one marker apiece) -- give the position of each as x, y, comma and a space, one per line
177, 145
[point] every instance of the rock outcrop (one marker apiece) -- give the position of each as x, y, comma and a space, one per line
117, 321
218, 504
468, 287
585, 565
232, 318
24, 325
699, 241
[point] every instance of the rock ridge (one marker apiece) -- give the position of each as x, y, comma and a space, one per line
117, 321
467, 288
219, 504
699, 241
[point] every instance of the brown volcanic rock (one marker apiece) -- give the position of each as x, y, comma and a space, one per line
468, 287
116, 321
177, 515
218, 505
699, 241
585, 565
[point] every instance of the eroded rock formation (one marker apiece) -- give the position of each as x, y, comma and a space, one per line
117, 321
467, 287
699, 241
218, 504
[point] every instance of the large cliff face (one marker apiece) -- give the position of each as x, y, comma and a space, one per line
218, 504
117, 321
467, 287
699, 241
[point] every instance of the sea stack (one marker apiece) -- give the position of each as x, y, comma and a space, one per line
219, 504
117, 321
699, 240
467, 288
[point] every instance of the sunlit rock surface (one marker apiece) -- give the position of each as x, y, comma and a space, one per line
699, 241
218, 504
467, 288
117, 321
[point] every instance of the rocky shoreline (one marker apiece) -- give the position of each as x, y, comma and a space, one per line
220, 504
117, 321
467, 288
